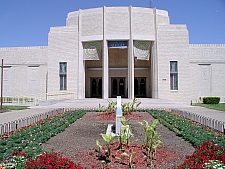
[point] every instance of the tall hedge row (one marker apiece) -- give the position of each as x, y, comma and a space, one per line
211, 100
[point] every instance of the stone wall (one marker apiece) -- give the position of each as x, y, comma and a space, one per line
63, 47
207, 65
25, 70
91, 22
173, 45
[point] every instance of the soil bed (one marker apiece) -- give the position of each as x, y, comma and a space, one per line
78, 142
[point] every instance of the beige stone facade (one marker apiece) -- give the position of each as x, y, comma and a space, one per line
175, 70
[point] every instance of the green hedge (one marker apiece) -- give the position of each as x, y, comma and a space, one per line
211, 100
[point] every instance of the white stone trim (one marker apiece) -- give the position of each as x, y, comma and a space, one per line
117, 37
207, 61
91, 38
144, 37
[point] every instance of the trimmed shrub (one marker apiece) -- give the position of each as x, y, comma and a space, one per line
211, 100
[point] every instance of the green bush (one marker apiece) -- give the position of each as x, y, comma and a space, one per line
211, 100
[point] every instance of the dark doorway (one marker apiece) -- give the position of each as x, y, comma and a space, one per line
93, 87
118, 87
140, 87
114, 92
96, 87
122, 86
135, 87
100, 87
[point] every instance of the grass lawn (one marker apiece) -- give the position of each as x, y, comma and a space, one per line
8, 108
220, 106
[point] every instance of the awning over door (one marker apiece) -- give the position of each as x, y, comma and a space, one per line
117, 44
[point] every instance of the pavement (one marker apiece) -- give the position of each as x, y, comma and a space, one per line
94, 103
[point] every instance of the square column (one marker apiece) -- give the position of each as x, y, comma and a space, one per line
154, 61
154, 65
105, 71
130, 70
81, 64
105, 63
130, 62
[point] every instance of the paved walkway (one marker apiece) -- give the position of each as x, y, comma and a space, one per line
214, 114
94, 103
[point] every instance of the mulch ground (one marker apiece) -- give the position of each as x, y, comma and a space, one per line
78, 142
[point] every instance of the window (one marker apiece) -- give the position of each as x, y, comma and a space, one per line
62, 75
173, 75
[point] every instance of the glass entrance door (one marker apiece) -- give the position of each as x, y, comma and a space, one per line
96, 87
118, 86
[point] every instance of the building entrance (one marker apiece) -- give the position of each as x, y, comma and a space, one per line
140, 87
118, 86
96, 87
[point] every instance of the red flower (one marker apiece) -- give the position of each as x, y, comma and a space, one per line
203, 153
50, 161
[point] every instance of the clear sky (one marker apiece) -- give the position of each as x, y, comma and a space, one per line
27, 22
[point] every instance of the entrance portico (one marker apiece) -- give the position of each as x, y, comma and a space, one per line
122, 54
118, 72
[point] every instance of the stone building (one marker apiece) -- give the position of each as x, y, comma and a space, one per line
109, 51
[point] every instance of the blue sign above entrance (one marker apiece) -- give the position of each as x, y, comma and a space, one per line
117, 44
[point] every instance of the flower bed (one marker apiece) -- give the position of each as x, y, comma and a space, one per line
209, 150
189, 130
29, 140
50, 160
